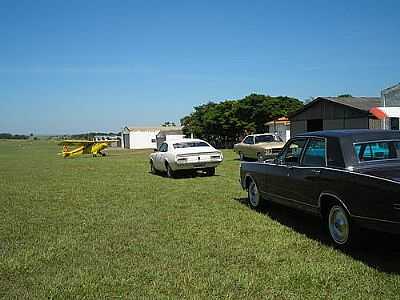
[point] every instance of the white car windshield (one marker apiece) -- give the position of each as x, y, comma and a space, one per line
267, 138
191, 144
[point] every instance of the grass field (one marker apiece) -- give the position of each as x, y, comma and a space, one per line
107, 228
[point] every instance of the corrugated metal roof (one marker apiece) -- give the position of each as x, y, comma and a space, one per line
362, 103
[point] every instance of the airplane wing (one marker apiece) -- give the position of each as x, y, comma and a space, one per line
76, 142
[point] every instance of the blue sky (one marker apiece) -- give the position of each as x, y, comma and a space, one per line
76, 66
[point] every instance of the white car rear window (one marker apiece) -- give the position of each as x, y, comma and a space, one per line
190, 144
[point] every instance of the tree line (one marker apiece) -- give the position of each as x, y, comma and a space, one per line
9, 136
225, 123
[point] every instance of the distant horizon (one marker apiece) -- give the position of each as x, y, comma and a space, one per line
77, 66
178, 121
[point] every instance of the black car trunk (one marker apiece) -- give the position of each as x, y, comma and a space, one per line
388, 171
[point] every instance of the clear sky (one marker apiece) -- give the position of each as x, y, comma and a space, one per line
82, 65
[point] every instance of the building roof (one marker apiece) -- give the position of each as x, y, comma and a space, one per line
355, 134
360, 103
156, 128
396, 87
281, 120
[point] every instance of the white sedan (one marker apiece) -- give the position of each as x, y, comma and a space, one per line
185, 154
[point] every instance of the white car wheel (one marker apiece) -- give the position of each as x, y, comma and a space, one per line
170, 172
152, 169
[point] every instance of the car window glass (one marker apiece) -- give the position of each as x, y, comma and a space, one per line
376, 151
164, 147
291, 153
191, 144
264, 138
315, 153
248, 140
334, 155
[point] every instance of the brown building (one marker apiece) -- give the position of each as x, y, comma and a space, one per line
326, 113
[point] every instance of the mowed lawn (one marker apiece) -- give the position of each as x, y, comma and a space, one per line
107, 228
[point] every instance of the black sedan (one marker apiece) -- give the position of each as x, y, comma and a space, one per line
351, 178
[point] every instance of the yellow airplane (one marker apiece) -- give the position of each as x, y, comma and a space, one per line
84, 147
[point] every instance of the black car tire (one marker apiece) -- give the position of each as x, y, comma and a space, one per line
254, 198
339, 226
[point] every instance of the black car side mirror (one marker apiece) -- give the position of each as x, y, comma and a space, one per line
155, 150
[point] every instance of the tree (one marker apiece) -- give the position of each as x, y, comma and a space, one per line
222, 124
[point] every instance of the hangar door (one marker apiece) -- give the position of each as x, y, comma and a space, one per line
126, 141
315, 125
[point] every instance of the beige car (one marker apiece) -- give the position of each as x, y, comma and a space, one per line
259, 146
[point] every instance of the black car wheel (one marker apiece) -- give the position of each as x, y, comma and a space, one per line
253, 196
339, 225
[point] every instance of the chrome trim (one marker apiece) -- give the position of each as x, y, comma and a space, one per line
396, 206
333, 196
292, 200
374, 219
339, 170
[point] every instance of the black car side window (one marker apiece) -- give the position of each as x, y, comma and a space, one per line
315, 153
291, 154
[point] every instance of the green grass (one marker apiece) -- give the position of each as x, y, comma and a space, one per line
106, 228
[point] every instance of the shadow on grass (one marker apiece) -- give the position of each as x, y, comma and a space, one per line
376, 249
184, 175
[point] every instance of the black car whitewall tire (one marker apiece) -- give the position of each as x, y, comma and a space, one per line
253, 195
339, 225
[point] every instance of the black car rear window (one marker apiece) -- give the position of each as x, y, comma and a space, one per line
377, 150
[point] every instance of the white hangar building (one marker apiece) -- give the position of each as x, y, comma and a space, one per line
148, 137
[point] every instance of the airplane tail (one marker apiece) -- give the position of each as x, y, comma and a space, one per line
73, 153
